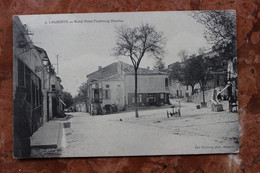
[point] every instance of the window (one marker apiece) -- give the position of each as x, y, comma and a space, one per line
96, 85
27, 78
52, 87
97, 96
140, 98
28, 83
166, 82
106, 94
33, 105
118, 85
162, 96
107, 86
20, 73
36, 96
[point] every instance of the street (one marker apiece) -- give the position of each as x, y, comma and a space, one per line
196, 131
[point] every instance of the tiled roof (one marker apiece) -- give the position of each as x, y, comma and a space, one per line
115, 71
105, 72
129, 69
116, 77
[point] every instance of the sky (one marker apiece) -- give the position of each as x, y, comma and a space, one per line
85, 41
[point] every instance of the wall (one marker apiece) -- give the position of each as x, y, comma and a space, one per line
28, 55
116, 93
146, 84
182, 89
198, 98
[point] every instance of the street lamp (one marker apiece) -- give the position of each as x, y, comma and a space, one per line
40, 68
45, 61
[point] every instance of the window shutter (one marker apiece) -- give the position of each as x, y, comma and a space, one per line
109, 94
104, 94
100, 95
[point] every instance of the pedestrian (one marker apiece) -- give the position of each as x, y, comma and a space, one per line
21, 124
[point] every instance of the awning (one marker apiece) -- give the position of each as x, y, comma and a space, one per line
221, 91
62, 102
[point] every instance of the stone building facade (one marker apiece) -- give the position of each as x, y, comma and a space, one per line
112, 87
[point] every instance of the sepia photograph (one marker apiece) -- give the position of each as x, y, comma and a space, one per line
125, 84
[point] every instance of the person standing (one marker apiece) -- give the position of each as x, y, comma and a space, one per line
21, 124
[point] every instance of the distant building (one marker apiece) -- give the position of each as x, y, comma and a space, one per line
81, 107
178, 89
112, 87
58, 105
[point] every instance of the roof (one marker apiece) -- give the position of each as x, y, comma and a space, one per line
115, 71
116, 77
129, 69
105, 72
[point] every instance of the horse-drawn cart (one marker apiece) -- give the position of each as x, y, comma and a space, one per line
176, 111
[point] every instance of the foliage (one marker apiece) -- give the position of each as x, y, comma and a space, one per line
195, 69
176, 72
191, 71
67, 98
82, 94
159, 65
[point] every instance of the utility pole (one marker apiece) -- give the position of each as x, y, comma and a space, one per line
57, 56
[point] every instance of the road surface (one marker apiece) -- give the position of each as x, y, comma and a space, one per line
196, 131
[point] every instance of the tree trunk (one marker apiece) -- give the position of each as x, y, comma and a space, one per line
203, 95
204, 103
136, 104
192, 89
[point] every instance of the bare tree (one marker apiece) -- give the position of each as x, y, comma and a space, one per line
220, 30
183, 54
159, 65
201, 50
135, 43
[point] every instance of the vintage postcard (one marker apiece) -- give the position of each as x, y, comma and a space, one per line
125, 84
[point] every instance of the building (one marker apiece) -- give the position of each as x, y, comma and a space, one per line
58, 105
46, 86
33, 70
111, 88
80, 107
28, 71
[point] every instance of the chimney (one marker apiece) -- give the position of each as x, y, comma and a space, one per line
99, 67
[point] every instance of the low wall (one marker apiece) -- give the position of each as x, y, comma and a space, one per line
198, 98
